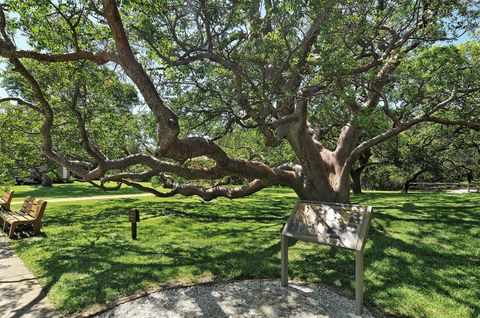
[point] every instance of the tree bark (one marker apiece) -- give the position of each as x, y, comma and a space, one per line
356, 181
406, 185
357, 172
46, 180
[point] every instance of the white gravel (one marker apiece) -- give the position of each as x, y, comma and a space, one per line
250, 298
472, 190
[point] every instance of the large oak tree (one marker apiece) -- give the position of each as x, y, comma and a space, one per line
210, 70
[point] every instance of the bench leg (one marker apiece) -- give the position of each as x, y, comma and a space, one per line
13, 226
37, 227
5, 224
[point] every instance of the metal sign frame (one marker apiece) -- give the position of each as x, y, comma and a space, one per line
364, 219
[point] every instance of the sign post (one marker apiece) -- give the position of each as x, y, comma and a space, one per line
331, 224
134, 217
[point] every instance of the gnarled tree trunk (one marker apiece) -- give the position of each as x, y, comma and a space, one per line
406, 185
46, 180
356, 173
356, 181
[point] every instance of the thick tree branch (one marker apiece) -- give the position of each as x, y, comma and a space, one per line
105, 188
208, 194
99, 58
168, 127
189, 189
346, 142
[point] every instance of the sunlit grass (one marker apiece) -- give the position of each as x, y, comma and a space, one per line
67, 190
422, 258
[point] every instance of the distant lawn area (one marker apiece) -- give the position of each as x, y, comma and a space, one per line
422, 258
67, 190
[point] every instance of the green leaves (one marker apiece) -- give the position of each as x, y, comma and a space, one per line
105, 103
58, 26
431, 76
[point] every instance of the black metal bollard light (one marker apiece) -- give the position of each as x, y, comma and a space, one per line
134, 217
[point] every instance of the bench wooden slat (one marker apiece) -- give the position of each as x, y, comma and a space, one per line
6, 200
16, 217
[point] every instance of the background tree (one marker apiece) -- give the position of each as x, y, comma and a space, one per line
98, 97
207, 71
20, 145
429, 153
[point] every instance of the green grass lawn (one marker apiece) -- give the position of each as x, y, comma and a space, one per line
422, 258
66, 190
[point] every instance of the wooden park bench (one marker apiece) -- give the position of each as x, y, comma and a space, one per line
5, 200
30, 214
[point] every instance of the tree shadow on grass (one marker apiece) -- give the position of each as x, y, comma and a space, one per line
91, 258
424, 271
97, 269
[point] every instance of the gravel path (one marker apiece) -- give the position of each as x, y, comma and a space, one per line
251, 298
473, 189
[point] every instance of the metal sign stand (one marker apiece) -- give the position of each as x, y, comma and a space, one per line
331, 224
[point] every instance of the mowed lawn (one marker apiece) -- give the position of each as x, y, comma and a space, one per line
422, 258
68, 190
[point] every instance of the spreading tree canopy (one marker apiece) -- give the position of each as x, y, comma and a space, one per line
272, 92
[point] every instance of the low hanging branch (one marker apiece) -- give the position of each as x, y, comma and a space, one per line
206, 194
98, 58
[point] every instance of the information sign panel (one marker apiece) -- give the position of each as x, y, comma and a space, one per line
329, 223
334, 224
